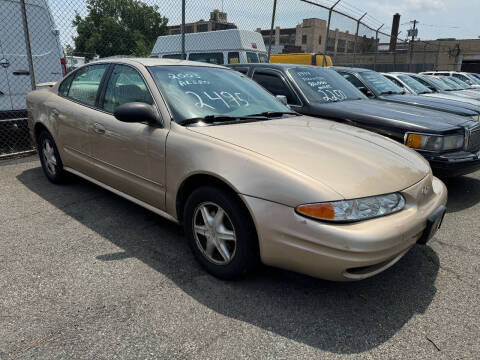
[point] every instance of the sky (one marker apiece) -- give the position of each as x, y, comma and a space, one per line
437, 18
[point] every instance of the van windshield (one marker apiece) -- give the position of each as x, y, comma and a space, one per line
200, 91
323, 85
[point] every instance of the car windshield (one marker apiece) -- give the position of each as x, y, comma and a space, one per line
415, 85
380, 83
323, 85
200, 91
462, 85
439, 84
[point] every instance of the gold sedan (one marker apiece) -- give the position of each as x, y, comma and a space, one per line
250, 180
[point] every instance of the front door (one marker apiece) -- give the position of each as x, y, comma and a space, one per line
130, 157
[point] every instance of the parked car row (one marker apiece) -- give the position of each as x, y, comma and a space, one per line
323, 171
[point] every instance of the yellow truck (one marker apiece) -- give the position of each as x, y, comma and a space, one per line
301, 58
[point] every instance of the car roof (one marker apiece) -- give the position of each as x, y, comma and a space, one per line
277, 65
153, 62
352, 69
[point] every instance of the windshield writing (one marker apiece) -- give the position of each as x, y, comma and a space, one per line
193, 92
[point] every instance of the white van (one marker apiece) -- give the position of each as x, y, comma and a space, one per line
48, 59
217, 47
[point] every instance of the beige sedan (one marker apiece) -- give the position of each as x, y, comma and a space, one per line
250, 180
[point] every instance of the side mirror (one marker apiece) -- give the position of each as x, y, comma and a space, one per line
365, 91
282, 99
136, 112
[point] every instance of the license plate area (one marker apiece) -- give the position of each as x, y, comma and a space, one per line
434, 222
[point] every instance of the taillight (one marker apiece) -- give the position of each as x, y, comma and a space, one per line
64, 66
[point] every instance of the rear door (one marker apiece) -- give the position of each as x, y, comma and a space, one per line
44, 42
74, 113
14, 59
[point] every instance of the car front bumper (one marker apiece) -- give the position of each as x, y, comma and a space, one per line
455, 164
343, 252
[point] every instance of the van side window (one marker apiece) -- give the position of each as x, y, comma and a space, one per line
263, 58
211, 58
84, 87
172, 56
252, 57
124, 86
276, 86
234, 57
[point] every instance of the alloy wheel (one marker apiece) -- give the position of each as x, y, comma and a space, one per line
214, 233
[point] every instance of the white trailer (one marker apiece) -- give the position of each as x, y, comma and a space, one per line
218, 47
47, 53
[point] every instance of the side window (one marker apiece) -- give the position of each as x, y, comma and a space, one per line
212, 58
263, 58
463, 78
252, 57
276, 86
172, 56
64, 86
84, 87
243, 70
395, 81
233, 57
125, 85
353, 79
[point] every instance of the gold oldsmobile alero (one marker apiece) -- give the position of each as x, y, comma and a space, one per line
250, 180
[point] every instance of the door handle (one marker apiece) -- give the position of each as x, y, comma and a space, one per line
21, 72
54, 113
98, 128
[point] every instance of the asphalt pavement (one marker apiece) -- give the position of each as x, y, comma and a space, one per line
85, 274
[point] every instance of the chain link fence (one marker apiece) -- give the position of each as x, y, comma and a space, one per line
41, 40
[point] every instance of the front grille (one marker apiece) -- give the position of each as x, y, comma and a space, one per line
473, 139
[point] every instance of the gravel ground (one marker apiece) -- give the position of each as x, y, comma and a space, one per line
86, 274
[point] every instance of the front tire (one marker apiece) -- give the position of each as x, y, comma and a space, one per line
50, 158
221, 233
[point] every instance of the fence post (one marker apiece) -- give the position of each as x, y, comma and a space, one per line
270, 40
183, 30
356, 39
376, 49
328, 32
27, 44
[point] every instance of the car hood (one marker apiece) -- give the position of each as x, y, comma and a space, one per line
353, 162
452, 96
397, 115
431, 103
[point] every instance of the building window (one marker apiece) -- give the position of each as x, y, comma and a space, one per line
320, 40
304, 39
341, 45
188, 29
202, 27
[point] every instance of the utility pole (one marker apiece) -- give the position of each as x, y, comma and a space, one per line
413, 32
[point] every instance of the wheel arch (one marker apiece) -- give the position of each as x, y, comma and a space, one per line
195, 181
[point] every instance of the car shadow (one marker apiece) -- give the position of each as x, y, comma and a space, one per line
463, 193
343, 318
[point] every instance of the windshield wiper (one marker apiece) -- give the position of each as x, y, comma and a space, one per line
390, 92
210, 119
424, 92
272, 114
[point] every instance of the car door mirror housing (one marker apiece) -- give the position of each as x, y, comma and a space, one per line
282, 99
136, 112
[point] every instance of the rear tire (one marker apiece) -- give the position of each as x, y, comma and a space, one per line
221, 233
50, 158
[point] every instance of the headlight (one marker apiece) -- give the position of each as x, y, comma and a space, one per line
434, 142
476, 117
353, 210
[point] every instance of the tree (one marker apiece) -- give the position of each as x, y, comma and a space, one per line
118, 27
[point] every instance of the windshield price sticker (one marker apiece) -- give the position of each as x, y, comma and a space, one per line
188, 79
211, 99
320, 84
